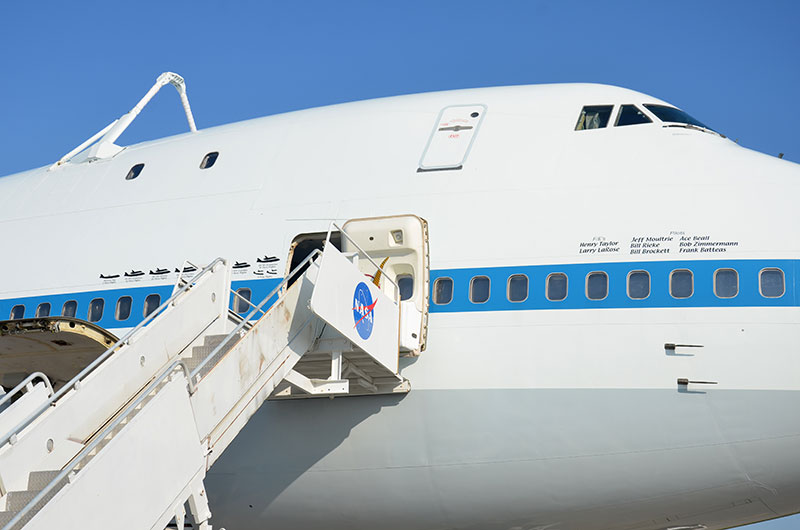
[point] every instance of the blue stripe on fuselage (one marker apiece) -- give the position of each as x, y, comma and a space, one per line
749, 294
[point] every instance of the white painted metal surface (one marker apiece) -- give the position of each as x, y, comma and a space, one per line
570, 400
452, 137
157, 449
347, 300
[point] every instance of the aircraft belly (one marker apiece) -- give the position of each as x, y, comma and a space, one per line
501, 459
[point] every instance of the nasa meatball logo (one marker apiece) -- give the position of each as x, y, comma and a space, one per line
363, 310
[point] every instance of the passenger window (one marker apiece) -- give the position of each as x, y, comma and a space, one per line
479, 289
772, 283
209, 160
556, 287
240, 303
638, 285
594, 117
96, 309
134, 172
596, 285
631, 115
43, 310
681, 283
405, 283
123, 308
442, 291
151, 303
726, 283
17, 312
70, 309
517, 288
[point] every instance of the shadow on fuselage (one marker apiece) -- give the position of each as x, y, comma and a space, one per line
282, 441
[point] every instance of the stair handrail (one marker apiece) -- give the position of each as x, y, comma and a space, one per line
96, 441
17, 389
11, 436
195, 376
383, 272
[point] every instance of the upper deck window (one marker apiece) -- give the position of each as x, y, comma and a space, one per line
209, 160
134, 172
631, 115
594, 117
673, 115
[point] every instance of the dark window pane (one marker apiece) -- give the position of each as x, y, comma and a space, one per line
240, 304
442, 291
43, 310
123, 308
151, 303
209, 160
518, 288
479, 289
17, 312
594, 117
70, 309
596, 285
134, 172
772, 283
631, 115
673, 115
726, 283
639, 285
681, 284
405, 282
96, 309
557, 286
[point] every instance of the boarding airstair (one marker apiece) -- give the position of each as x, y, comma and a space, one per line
128, 441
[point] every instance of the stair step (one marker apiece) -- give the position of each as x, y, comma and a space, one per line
16, 500
5, 517
213, 340
37, 480
199, 353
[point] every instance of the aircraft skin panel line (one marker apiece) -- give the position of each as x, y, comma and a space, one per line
613, 314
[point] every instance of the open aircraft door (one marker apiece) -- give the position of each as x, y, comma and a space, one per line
402, 241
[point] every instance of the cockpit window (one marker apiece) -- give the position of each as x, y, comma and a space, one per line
673, 115
631, 115
594, 117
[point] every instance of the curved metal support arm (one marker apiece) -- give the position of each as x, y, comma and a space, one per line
105, 146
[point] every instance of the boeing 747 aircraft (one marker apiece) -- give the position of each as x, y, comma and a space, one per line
585, 299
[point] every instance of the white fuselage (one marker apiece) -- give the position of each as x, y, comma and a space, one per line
533, 414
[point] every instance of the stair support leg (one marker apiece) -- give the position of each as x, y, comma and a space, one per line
336, 366
198, 505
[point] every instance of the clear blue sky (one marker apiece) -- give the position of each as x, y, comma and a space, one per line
69, 68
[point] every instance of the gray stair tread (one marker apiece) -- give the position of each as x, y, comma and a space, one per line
16, 500
5, 517
37, 480
213, 340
